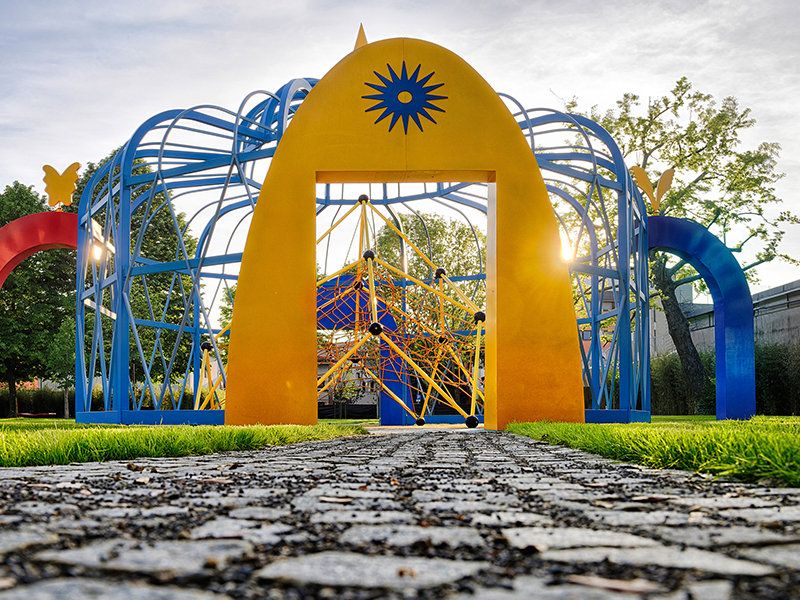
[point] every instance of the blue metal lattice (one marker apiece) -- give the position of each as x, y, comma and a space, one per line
144, 309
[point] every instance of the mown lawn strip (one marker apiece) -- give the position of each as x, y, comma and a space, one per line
63, 443
764, 447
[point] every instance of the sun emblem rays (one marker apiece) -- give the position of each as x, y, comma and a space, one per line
404, 97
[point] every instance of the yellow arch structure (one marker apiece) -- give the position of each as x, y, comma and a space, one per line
532, 360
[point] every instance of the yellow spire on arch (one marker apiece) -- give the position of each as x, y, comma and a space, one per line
361, 38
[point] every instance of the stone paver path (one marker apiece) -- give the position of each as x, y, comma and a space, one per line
462, 514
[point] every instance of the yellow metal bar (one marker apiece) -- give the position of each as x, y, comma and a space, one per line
373, 299
478, 327
208, 368
347, 355
223, 332
211, 397
333, 380
435, 371
424, 375
403, 313
335, 225
400, 233
205, 371
213, 389
461, 366
424, 285
461, 294
391, 393
339, 272
200, 382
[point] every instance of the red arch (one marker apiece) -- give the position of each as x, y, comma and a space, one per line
28, 235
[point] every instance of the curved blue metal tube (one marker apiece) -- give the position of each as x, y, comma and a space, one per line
733, 309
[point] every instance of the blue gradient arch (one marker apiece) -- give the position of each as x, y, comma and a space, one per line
733, 309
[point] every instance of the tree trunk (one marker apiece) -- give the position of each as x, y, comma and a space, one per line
678, 326
13, 409
66, 403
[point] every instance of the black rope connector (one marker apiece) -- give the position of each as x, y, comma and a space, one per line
442, 339
472, 421
363, 198
420, 422
358, 285
369, 255
375, 329
479, 316
206, 346
439, 272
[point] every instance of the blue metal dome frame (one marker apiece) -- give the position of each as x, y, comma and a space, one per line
208, 163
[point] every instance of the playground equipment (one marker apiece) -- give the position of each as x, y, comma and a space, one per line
161, 236
733, 309
28, 235
415, 340
189, 180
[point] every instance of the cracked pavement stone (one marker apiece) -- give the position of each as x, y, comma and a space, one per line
622, 519
259, 513
13, 541
363, 516
62, 589
571, 537
689, 558
784, 556
170, 559
711, 590
722, 536
530, 588
763, 515
497, 519
406, 535
357, 570
222, 527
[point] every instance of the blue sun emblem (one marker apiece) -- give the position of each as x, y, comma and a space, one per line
404, 96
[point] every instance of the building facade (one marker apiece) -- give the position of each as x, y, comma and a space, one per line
776, 313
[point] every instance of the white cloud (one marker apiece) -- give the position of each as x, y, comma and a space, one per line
79, 77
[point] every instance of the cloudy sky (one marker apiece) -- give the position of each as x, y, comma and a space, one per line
78, 77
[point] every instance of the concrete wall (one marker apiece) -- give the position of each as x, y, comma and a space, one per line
778, 314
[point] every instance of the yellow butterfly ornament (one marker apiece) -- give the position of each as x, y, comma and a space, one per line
643, 181
59, 188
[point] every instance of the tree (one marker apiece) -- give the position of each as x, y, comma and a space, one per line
59, 360
35, 300
725, 189
449, 243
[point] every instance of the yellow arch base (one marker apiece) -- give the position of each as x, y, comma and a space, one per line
533, 369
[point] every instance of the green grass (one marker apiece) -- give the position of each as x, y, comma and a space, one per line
23, 424
351, 421
683, 418
29, 442
764, 447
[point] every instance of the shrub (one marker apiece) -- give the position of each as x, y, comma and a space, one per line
669, 389
778, 379
777, 369
38, 401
